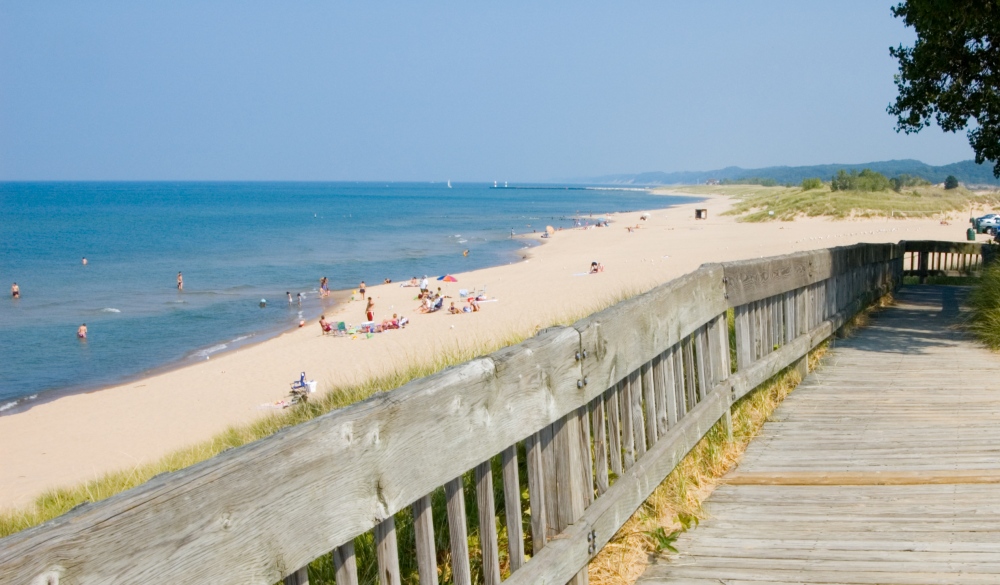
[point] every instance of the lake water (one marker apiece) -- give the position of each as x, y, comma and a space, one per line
236, 243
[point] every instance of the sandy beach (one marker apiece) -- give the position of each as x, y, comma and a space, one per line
81, 436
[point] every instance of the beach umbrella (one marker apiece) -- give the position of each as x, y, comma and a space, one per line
448, 278
550, 230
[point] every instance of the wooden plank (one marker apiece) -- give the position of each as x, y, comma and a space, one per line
649, 402
638, 424
753, 280
549, 462
587, 469
660, 393
387, 552
679, 383
801, 312
512, 507
931, 246
670, 387
536, 491
612, 401
744, 341
569, 463
725, 356
628, 434
345, 565
300, 577
945, 477
703, 362
458, 531
423, 528
690, 373
600, 447
488, 542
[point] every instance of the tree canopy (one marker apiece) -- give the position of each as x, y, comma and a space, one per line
952, 73
866, 180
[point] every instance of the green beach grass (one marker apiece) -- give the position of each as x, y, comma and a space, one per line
984, 302
754, 203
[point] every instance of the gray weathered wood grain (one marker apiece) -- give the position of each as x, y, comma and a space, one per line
345, 565
512, 507
458, 532
423, 528
612, 403
536, 491
387, 551
488, 543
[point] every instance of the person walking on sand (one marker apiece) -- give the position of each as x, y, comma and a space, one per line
81, 331
180, 281
370, 309
15, 291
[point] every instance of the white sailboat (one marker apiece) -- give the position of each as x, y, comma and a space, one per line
449, 183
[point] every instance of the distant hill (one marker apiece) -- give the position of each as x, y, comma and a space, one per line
966, 171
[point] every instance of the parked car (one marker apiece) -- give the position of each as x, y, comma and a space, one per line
989, 223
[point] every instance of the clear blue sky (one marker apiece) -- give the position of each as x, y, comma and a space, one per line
432, 91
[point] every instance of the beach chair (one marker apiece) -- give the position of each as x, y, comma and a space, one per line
300, 383
341, 329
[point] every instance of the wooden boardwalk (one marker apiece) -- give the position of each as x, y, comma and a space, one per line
882, 467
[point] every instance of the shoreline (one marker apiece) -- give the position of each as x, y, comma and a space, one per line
82, 436
338, 299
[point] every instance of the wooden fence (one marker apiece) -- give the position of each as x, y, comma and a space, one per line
602, 411
930, 258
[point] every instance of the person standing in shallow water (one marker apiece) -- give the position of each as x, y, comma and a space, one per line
180, 281
81, 332
15, 291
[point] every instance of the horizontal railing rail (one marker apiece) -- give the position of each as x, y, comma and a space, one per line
600, 412
930, 258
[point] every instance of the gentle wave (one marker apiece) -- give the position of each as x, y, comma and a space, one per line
15, 403
206, 353
110, 310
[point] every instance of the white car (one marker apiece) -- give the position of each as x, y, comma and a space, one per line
989, 221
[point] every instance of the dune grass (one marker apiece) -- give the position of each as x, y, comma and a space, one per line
754, 203
984, 302
56, 502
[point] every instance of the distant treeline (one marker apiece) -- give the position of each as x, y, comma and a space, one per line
848, 180
967, 172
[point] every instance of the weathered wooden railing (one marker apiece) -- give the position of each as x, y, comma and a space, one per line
602, 411
929, 258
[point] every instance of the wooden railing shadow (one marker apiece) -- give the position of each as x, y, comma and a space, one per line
602, 411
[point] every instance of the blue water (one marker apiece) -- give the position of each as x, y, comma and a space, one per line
236, 243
